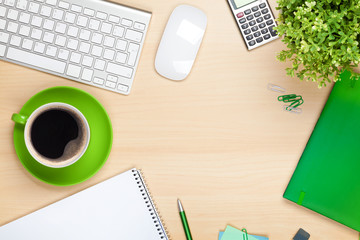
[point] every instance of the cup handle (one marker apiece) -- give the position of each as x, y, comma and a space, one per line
18, 118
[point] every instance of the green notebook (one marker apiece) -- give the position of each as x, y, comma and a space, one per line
327, 177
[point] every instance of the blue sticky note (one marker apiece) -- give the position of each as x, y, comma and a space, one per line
257, 237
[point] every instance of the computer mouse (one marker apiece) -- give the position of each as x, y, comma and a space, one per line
180, 42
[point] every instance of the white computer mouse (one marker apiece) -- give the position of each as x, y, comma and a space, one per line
180, 42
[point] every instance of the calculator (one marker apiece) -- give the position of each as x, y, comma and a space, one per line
255, 21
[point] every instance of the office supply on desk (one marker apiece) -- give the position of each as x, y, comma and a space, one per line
97, 151
92, 42
255, 20
180, 42
294, 102
276, 88
327, 179
118, 208
301, 235
232, 233
55, 134
184, 221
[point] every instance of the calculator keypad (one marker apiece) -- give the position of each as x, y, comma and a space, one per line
257, 24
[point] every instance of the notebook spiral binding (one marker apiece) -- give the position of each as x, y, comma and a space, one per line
156, 217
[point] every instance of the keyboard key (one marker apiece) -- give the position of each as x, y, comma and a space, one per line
106, 28
269, 22
114, 19
70, 17
248, 11
119, 70
133, 52
75, 57
110, 84
101, 15
2, 24
126, 22
254, 9
51, 51
109, 41
139, 26
73, 71
97, 38
240, 15
36, 34
73, 31
24, 18
121, 45
241, 21
252, 23
63, 54
36, 60
60, 28
267, 16
262, 25
48, 24
133, 35
89, 12
260, 19
64, 5
82, 21
264, 11
15, 40
2, 50
76, 8
45, 11
84, 34
58, 14
4, 37
34, 7
13, 14
244, 26
10, 3
27, 44
12, 27
112, 78
257, 14
94, 24
87, 61
72, 44
123, 88
51, 2
60, 41
272, 31
252, 43
247, 31
118, 31
96, 51
254, 29
262, 5
264, 31
120, 57
36, 21
84, 47
98, 81
257, 34
87, 74
267, 36
249, 37
259, 40
250, 17
24, 30
99, 64
39, 47
109, 54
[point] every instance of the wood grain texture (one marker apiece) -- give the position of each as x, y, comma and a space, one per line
219, 140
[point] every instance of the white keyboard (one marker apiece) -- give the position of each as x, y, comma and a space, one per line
93, 42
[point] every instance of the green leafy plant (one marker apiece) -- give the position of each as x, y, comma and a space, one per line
322, 38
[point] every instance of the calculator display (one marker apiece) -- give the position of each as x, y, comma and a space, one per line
240, 3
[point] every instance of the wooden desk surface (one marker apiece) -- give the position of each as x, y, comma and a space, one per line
220, 141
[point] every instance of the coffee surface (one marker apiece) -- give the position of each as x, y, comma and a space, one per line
51, 131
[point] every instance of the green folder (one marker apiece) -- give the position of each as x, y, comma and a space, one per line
327, 177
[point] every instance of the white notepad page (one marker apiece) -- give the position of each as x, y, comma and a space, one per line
118, 208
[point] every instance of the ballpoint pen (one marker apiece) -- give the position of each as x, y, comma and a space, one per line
184, 221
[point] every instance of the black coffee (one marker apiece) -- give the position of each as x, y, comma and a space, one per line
51, 131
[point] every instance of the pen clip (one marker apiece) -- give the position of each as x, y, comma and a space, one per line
246, 234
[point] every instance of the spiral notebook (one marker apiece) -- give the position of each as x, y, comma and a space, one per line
118, 208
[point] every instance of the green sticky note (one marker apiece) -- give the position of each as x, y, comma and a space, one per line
232, 233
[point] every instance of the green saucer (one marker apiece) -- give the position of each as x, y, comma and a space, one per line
100, 137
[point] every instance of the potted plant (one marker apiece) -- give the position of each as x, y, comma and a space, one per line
322, 38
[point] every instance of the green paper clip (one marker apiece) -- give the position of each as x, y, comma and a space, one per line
285, 97
246, 234
297, 103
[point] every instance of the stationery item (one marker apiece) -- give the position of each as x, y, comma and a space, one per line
327, 179
255, 20
93, 42
55, 134
301, 235
232, 233
184, 221
294, 101
118, 208
276, 88
180, 42
100, 133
